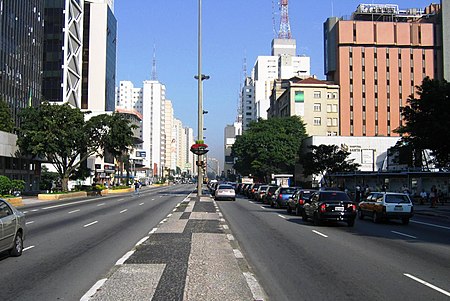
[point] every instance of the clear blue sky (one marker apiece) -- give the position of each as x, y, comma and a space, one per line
232, 30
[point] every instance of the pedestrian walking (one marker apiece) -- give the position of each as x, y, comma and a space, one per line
433, 196
137, 186
423, 197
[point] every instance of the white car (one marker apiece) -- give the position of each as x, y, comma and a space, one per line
386, 205
225, 192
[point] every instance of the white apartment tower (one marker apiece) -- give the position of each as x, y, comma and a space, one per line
171, 151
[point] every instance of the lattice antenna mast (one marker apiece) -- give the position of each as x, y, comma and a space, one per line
241, 101
285, 27
154, 74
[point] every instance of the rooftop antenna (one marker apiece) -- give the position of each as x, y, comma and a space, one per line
285, 27
273, 19
154, 75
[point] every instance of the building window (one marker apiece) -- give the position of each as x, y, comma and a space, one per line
317, 107
329, 121
317, 94
329, 108
335, 122
299, 96
317, 121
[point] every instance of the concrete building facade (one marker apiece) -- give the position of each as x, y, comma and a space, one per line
377, 65
230, 133
446, 37
315, 101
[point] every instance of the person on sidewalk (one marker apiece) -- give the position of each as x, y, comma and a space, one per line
423, 197
433, 196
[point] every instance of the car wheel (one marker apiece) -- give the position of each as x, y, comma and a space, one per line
316, 220
375, 217
304, 216
405, 221
351, 222
289, 209
360, 214
18, 245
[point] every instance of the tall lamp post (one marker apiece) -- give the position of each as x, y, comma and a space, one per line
200, 78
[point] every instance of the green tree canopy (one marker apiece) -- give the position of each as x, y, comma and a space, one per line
269, 147
427, 120
6, 122
325, 160
60, 134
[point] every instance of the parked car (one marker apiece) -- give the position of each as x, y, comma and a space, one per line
252, 190
12, 229
386, 205
225, 192
269, 194
329, 206
281, 196
298, 199
258, 195
246, 188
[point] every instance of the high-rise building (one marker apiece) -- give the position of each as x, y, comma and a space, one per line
230, 133
99, 56
248, 103
63, 49
21, 48
171, 151
446, 37
377, 58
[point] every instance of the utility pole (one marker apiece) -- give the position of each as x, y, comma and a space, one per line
200, 100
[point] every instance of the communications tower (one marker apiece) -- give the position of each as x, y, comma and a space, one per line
285, 27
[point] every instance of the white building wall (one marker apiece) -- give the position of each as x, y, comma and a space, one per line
169, 136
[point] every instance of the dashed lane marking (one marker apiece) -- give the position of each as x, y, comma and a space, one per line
100, 204
27, 248
403, 234
153, 231
73, 211
141, 204
432, 225
282, 216
318, 233
90, 224
123, 211
428, 284
30, 222
142, 241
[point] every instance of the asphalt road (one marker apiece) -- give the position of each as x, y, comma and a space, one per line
294, 260
72, 244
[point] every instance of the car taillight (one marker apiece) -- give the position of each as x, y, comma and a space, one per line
323, 208
353, 207
280, 196
270, 193
301, 202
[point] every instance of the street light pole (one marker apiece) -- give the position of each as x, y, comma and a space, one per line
200, 99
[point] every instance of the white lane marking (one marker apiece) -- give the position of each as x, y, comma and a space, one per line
321, 234
90, 224
153, 199
24, 212
175, 209
254, 286
34, 210
160, 196
30, 222
163, 221
27, 248
428, 284
120, 200
170, 214
100, 204
124, 258
403, 234
91, 292
68, 204
262, 207
282, 216
141, 204
142, 241
70, 212
153, 231
225, 227
123, 211
432, 225
237, 254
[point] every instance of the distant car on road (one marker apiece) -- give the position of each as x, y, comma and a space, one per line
225, 192
298, 199
12, 229
259, 194
327, 205
281, 196
386, 205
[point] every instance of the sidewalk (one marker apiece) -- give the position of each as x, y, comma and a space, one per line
190, 255
441, 210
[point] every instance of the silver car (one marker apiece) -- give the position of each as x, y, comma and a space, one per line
225, 191
12, 229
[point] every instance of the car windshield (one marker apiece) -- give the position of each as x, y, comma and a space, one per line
397, 198
306, 195
273, 188
334, 196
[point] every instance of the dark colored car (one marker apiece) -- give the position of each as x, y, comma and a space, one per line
281, 196
329, 206
252, 190
269, 194
298, 199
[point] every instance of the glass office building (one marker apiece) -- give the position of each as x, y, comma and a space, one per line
21, 46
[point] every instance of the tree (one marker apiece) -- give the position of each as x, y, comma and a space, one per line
325, 160
427, 120
6, 122
269, 147
60, 134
